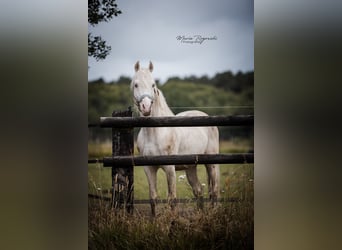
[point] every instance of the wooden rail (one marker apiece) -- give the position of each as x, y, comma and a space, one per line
127, 161
175, 121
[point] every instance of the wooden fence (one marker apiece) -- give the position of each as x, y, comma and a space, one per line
123, 160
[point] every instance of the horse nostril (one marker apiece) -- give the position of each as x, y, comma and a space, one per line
143, 105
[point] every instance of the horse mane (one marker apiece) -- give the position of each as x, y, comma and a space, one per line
161, 108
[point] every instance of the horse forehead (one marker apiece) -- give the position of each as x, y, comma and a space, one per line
143, 76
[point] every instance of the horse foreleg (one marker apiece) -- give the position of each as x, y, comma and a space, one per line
191, 174
213, 171
151, 174
171, 183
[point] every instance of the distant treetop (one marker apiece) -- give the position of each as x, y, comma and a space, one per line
100, 11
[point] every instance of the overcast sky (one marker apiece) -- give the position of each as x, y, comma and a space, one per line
148, 30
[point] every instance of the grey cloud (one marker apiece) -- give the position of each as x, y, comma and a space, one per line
147, 30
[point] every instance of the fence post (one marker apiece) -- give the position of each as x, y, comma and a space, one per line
122, 178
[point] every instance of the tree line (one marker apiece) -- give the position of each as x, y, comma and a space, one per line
227, 80
223, 94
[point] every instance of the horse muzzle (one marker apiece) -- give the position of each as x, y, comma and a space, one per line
145, 105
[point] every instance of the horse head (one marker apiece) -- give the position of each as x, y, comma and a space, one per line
144, 88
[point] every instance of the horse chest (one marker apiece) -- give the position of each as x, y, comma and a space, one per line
157, 142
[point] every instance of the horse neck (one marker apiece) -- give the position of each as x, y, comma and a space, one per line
160, 107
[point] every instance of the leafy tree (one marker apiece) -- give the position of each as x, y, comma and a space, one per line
100, 11
98, 81
124, 80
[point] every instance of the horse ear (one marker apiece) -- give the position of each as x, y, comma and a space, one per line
150, 67
136, 66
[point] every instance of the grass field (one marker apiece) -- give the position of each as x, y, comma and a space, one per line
233, 176
228, 225
232, 181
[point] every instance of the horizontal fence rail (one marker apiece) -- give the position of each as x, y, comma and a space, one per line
180, 200
174, 121
91, 161
126, 161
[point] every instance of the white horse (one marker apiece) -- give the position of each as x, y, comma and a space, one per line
172, 140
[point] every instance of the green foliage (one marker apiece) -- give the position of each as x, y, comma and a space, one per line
97, 47
209, 95
100, 11
103, 99
235, 83
227, 81
188, 94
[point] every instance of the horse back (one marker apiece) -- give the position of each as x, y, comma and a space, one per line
192, 113
209, 136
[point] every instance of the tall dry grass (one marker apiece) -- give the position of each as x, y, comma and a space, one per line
228, 225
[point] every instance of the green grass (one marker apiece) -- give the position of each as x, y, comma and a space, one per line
232, 181
229, 225
232, 178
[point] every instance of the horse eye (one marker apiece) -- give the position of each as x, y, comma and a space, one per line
136, 85
153, 85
